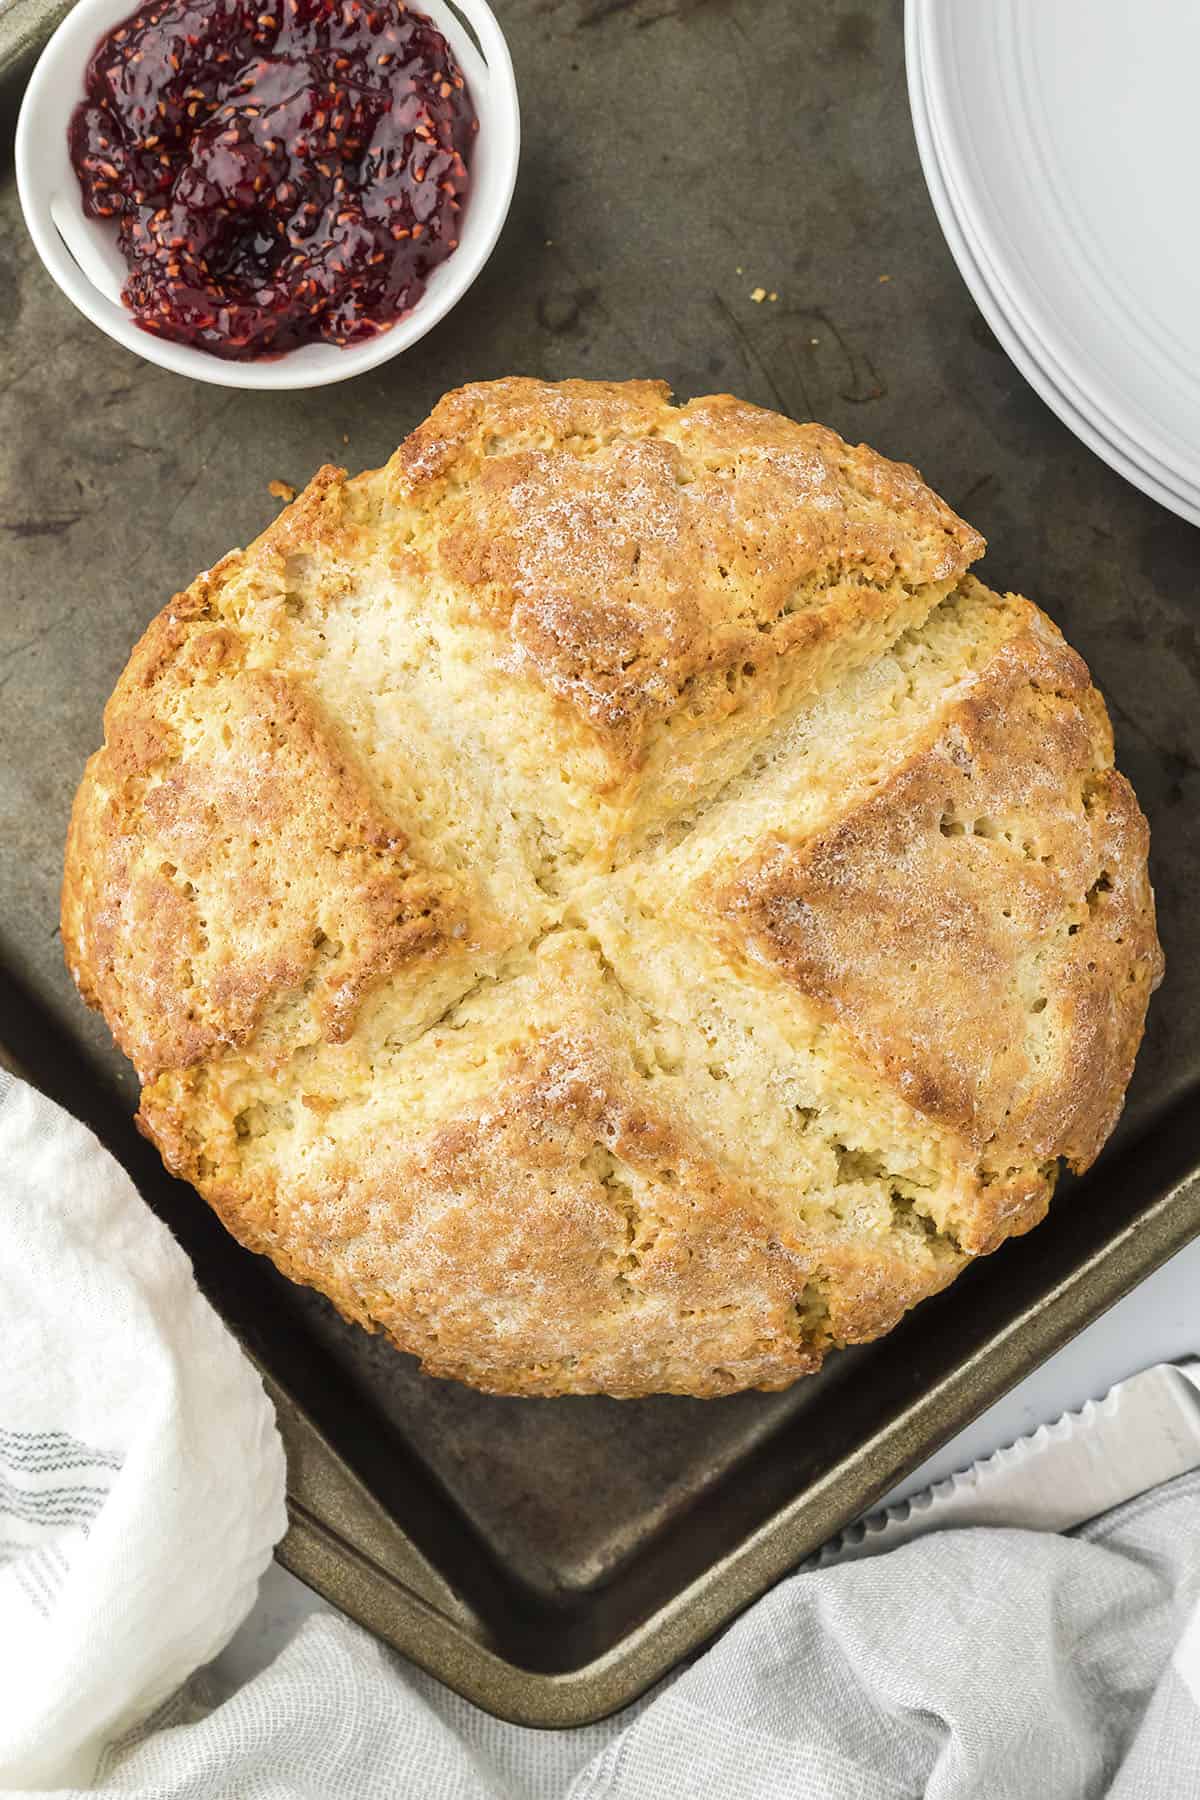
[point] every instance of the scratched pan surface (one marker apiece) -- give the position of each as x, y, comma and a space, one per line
551, 1558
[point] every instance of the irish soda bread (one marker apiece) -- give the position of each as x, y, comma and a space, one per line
608, 899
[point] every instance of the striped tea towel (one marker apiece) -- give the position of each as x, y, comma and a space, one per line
127, 1555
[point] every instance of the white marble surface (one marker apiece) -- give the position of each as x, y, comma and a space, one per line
1158, 1322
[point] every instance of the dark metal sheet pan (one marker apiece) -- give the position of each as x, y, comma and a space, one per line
552, 1558
24, 27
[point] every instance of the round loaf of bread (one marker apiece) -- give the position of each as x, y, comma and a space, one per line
607, 898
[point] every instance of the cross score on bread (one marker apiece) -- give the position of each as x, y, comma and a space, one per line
608, 899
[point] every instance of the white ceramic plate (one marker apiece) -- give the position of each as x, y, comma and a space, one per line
1015, 333
1082, 405
1155, 476
1085, 413
1066, 134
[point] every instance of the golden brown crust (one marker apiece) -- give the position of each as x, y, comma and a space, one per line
223, 851
562, 1235
681, 1298
629, 550
982, 925
404, 880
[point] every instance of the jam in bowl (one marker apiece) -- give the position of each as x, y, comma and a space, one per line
276, 174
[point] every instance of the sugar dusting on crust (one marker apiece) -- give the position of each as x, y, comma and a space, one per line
623, 565
586, 899
982, 924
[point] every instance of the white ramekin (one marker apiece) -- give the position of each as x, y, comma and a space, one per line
82, 256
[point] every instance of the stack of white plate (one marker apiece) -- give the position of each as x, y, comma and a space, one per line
1059, 142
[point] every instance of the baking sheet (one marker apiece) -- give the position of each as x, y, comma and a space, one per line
552, 1557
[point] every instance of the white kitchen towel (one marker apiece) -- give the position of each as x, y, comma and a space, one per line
980, 1664
141, 1473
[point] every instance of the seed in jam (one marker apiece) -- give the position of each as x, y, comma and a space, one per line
279, 173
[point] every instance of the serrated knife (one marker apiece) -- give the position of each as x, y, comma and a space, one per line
1145, 1431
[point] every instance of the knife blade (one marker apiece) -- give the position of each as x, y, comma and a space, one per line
1144, 1431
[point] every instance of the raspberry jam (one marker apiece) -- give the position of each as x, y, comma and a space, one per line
279, 173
